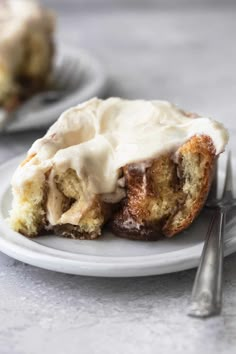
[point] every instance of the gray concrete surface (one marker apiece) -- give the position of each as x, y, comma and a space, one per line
181, 51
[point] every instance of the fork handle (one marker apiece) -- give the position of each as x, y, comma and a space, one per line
207, 289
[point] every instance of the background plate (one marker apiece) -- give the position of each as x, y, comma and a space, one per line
109, 255
92, 81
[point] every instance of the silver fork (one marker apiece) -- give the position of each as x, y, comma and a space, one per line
64, 81
206, 297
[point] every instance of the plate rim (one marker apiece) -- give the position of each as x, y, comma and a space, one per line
26, 250
96, 88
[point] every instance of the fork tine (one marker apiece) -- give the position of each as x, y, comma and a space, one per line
228, 186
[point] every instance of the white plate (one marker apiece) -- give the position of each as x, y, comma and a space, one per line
92, 82
109, 255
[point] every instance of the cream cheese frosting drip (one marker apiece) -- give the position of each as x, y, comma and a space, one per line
98, 137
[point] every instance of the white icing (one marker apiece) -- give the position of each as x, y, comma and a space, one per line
98, 137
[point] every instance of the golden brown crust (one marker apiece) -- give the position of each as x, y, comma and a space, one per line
132, 220
124, 225
203, 146
74, 231
154, 187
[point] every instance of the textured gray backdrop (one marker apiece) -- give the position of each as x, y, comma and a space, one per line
183, 51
